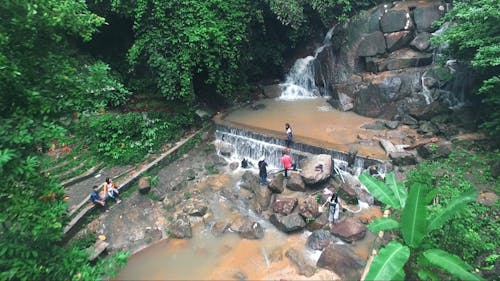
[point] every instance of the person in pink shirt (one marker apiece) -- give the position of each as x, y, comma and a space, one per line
286, 160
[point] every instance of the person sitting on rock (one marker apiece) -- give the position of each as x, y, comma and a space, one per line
111, 191
96, 198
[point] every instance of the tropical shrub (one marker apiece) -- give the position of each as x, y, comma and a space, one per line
415, 224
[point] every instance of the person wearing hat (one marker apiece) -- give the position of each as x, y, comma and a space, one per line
262, 170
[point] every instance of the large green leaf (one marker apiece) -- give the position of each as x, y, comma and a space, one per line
383, 224
380, 190
451, 263
389, 262
453, 207
413, 218
397, 188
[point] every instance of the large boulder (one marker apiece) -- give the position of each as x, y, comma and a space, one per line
397, 40
399, 59
341, 260
272, 91
424, 16
421, 42
262, 197
195, 207
308, 208
291, 223
395, 20
435, 150
301, 263
372, 44
403, 158
295, 182
349, 230
251, 230
284, 205
276, 184
319, 239
316, 169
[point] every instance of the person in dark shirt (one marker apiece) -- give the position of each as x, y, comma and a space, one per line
96, 198
262, 170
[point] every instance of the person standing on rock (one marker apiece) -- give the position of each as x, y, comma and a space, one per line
262, 170
286, 160
289, 135
334, 209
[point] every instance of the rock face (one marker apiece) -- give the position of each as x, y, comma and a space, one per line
341, 260
316, 169
349, 230
377, 63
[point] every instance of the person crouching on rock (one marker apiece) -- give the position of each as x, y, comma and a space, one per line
96, 198
111, 191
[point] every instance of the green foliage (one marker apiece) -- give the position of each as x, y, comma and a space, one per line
414, 227
475, 37
129, 137
389, 262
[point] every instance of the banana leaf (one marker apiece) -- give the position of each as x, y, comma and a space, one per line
397, 188
389, 262
383, 224
413, 218
454, 206
425, 274
380, 190
451, 263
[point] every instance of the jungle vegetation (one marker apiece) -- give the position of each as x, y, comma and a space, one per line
68, 67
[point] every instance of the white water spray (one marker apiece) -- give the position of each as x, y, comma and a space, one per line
300, 81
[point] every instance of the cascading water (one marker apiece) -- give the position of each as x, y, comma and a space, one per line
300, 81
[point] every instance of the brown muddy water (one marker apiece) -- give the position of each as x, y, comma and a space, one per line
228, 257
314, 122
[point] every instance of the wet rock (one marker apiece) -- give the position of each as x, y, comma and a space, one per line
421, 42
144, 185
263, 196
181, 227
403, 158
319, 239
287, 224
341, 260
399, 59
251, 230
394, 20
218, 160
276, 185
234, 165
397, 40
426, 15
349, 230
219, 228
392, 124
409, 120
301, 263
377, 125
272, 91
284, 205
249, 181
308, 208
316, 169
371, 44
319, 222
295, 182
427, 128
435, 150
225, 148
195, 207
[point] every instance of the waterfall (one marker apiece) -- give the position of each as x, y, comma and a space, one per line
300, 81
252, 146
